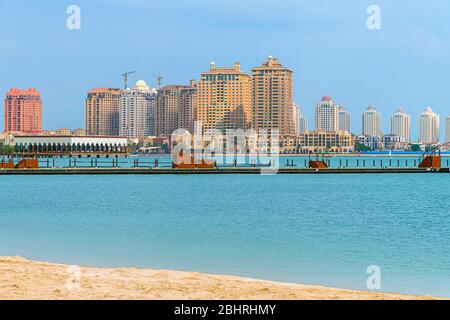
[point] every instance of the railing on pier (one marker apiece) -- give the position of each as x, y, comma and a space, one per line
431, 159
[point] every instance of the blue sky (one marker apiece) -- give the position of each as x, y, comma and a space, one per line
325, 42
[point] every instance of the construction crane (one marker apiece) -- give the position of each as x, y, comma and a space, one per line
125, 78
158, 79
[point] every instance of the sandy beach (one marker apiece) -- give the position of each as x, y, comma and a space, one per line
24, 279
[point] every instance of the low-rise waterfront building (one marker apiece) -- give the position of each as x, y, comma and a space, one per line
63, 132
79, 132
322, 141
155, 145
6, 138
393, 141
70, 145
372, 142
288, 144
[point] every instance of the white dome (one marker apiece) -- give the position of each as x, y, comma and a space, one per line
141, 85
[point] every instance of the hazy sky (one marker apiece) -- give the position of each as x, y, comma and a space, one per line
326, 43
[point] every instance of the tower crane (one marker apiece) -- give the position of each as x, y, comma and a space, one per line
125, 78
158, 79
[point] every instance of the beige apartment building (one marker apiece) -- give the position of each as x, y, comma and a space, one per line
187, 107
272, 97
102, 112
175, 108
322, 141
224, 98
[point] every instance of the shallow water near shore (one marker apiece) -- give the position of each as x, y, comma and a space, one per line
323, 230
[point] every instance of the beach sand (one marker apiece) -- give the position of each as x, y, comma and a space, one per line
24, 279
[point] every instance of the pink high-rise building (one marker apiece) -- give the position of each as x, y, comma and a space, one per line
23, 111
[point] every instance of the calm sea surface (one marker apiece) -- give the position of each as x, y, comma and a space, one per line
313, 229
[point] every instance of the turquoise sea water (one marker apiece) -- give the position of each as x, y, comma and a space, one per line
362, 161
313, 229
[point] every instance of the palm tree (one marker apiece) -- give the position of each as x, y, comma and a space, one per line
6, 150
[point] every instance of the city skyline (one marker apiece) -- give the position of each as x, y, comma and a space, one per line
176, 106
67, 63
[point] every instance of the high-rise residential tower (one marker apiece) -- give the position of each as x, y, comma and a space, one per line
175, 108
303, 126
344, 120
187, 107
296, 114
224, 98
136, 112
272, 93
429, 127
371, 123
102, 112
327, 118
401, 125
23, 111
447, 129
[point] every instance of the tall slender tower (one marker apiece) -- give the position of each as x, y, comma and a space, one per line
175, 108
296, 114
344, 120
23, 111
272, 97
224, 98
136, 112
327, 118
429, 127
102, 112
401, 125
447, 129
303, 125
187, 107
371, 122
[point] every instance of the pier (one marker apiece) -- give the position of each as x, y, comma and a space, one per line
429, 162
123, 171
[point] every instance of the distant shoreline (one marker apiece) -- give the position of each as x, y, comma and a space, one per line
23, 279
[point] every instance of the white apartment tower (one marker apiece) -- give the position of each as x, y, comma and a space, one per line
447, 129
344, 120
371, 123
296, 113
327, 118
136, 111
429, 127
303, 124
401, 125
